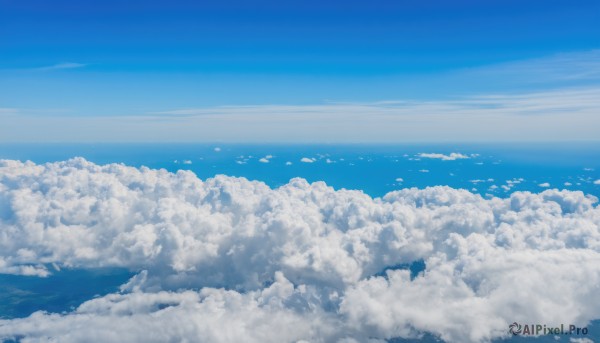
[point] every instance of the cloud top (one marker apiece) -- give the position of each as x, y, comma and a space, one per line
230, 259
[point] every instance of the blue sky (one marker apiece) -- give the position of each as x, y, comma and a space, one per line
109, 70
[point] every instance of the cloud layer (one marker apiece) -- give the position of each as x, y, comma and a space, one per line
565, 114
227, 259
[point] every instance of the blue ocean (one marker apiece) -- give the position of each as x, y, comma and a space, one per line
491, 170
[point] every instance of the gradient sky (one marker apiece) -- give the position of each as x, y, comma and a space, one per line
298, 70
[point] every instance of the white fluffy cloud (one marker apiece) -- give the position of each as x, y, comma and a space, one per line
266, 159
300, 262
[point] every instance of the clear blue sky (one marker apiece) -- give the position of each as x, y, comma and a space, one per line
124, 59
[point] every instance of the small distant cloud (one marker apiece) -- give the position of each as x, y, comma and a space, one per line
328, 161
568, 184
59, 66
452, 157
241, 159
424, 170
480, 181
597, 182
217, 149
399, 179
307, 160
187, 162
511, 183
588, 169
266, 159
544, 185
580, 340
288, 163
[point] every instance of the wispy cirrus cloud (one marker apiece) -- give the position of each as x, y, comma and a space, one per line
61, 66
580, 65
558, 114
567, 101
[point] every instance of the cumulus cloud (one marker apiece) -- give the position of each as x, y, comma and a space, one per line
597, 182
544, 185
227, 259
266, 159
308, 160
451, 157
512, 183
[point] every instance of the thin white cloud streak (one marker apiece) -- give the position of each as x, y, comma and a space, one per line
297, 262
564, 113
569, 114
568, 101
573, 66
60, 66
555, 71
